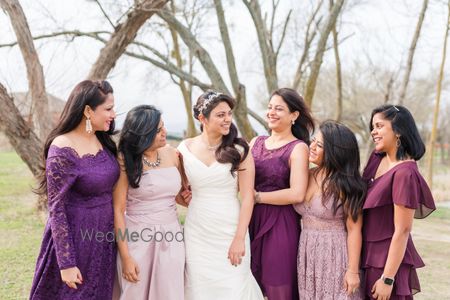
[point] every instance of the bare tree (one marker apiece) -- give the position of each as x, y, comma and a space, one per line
211, 69
265, 34
318, 58
338, 115
430, 154
411, 52
20, 135
123, 35
35, 74
310, 34
185, 87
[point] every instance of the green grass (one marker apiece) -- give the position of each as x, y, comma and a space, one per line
20, 228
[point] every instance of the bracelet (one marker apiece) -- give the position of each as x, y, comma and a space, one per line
351, 272
257, 197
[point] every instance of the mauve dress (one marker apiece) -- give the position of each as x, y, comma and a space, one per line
80, 226
274, 229
401, 185
322, 254
159, 250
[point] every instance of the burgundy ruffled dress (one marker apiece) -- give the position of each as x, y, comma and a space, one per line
401, 185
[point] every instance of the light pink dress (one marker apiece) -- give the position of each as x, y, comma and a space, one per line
322, 255
159, 249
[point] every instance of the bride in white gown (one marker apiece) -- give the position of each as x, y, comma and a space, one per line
217, 165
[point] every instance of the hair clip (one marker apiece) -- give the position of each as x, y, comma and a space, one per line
395, 108
213, 95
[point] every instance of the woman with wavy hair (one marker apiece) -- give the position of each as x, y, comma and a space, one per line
78, 254
150, 266
217, 243
281, 163
330, 243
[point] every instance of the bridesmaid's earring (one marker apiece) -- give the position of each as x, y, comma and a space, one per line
293, 122
88, 125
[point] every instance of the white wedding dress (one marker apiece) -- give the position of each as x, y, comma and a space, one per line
209, 229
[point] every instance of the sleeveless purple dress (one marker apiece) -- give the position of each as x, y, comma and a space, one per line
80, 226
274, 229
401, 185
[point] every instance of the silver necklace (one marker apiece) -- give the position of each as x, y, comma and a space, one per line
152, 164
211, 148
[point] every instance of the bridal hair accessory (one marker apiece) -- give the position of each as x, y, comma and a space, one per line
210, 98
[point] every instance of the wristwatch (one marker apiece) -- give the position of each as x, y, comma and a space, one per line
387, 280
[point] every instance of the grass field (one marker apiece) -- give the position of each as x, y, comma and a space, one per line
21, 230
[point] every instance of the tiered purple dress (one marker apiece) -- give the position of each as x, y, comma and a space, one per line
274, 229
401, 185
80, 227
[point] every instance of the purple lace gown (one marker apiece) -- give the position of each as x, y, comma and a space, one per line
274, 229
80, 227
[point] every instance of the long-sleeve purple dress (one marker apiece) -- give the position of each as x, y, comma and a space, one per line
80, 226
402, 185
274, 229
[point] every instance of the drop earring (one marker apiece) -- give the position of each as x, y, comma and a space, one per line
88, 125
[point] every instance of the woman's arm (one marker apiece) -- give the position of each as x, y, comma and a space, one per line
403, 219
130, 270
354, 243
298, 180
246, 180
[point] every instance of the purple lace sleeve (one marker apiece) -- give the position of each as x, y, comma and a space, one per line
61, 175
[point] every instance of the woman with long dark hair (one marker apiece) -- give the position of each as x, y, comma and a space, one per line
78, 255
330, 243
281, 164
397, 194
151, 266
218, 167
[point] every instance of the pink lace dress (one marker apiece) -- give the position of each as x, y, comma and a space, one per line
322, 254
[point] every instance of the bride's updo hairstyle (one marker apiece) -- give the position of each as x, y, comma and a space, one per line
227, 151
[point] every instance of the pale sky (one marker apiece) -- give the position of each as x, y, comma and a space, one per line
381, 30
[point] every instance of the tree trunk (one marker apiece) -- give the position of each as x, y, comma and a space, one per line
238, 88
124, 34
338, 115
191, 131
412, 50
318, 58
436, 106
20, 135
210, 68
267, 53
35, 74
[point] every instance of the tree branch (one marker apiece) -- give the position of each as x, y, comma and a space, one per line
123, 36
35, 74
411, 52
264, 41
105, 14
317, 62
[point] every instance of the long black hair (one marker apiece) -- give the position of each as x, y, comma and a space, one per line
411, 144
343, 182
304, 124
137, 135
87, 92
226, 152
